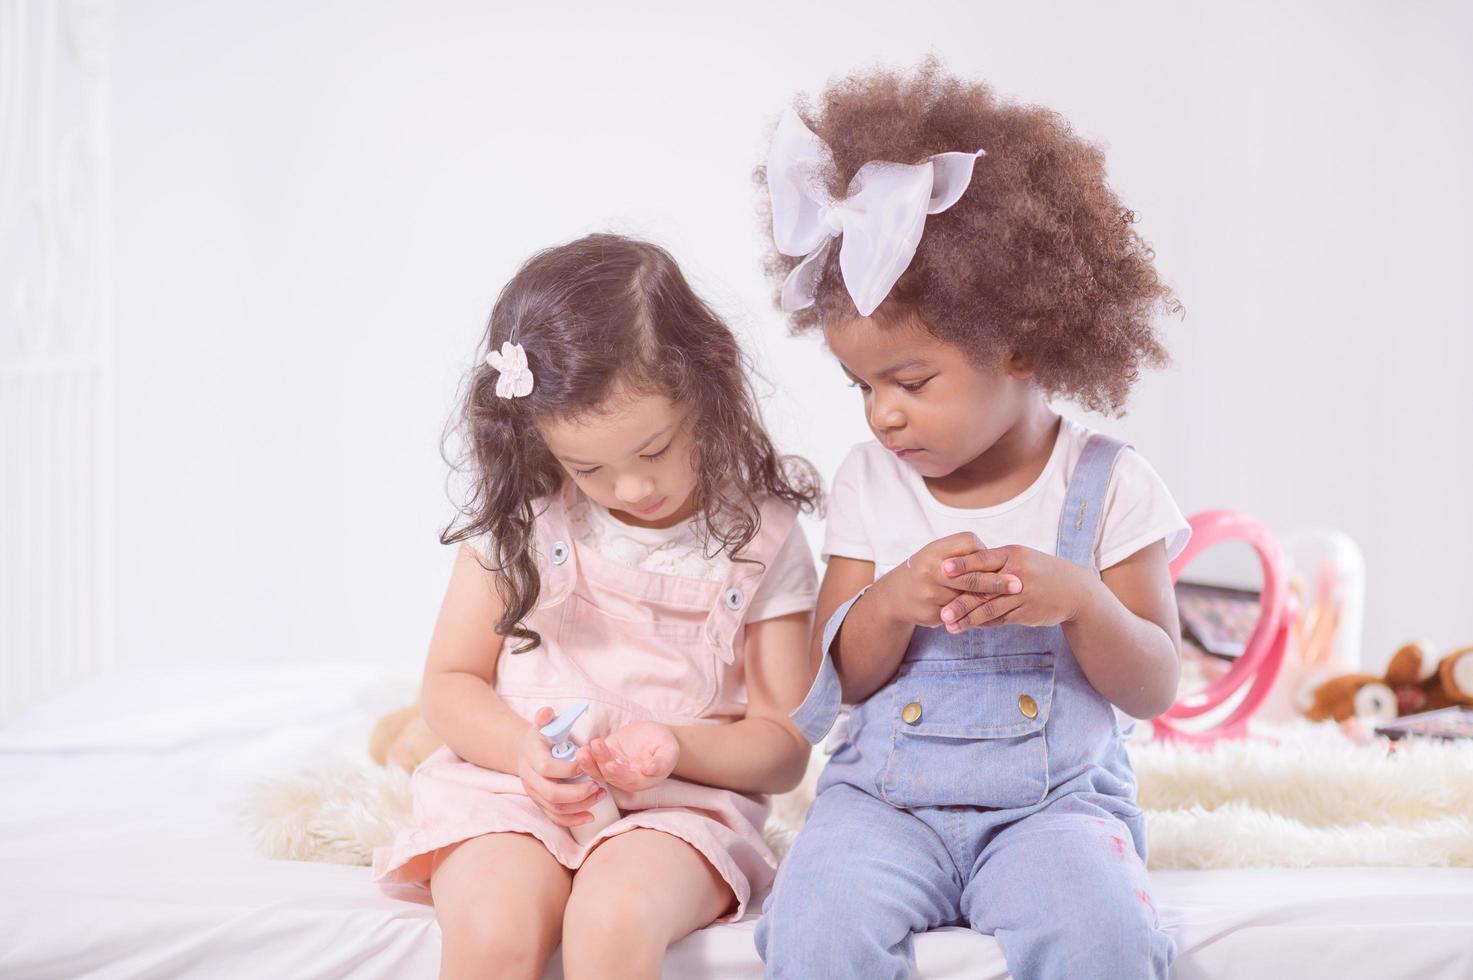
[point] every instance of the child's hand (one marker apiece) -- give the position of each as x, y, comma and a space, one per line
915, 592
636, 757
1053, 589
568, 804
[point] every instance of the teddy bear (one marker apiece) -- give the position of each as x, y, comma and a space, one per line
402, 739
1414, 682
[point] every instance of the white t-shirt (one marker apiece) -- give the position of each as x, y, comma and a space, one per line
790, 585
881, 510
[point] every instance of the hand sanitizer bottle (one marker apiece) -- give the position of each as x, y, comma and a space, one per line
564, 748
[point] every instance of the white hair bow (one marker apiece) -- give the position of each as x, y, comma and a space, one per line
880, 218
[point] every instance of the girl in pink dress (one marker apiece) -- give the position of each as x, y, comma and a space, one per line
630, 541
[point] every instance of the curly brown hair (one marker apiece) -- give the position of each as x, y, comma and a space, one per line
1039, 257
598, 316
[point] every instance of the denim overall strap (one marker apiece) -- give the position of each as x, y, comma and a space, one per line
1084, 503
820, 708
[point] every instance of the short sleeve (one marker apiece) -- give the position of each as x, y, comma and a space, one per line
790, 585
844, 528
1139, 511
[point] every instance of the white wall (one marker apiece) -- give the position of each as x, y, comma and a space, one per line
315, 205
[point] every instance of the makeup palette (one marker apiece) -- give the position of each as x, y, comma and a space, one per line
1218, 619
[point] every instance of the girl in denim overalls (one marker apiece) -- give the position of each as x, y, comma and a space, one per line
997, 599
630, 543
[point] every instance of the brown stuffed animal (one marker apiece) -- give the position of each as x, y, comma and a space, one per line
402, 739
1413, 682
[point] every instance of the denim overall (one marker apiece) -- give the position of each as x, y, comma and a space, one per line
986, 784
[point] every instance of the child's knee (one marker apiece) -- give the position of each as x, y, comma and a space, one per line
818, 948
1134, 943
592, 923
1128, 944
512, 941
1103, 939
798, 935
619, 923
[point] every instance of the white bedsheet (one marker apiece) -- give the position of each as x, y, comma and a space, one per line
122, 854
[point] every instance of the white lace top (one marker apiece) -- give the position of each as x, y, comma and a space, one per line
790, 585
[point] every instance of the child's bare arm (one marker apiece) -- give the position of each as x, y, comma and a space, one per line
1127, 637
869, 645
461, 707
763, 752
457, 700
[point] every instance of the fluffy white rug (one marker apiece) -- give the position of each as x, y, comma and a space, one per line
1291, 796
1304, 795
331, 814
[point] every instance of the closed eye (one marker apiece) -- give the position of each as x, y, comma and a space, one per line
651, 457
915, 386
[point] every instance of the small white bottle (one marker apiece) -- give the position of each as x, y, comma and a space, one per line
565, 749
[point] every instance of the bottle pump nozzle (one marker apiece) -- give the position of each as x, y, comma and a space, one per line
556, 732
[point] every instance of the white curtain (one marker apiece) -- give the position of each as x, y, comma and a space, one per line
55, 347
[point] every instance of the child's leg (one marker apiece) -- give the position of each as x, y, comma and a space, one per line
499, 899
862, 878
1068, 897
635, 895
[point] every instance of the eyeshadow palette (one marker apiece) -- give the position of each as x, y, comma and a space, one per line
1217, 618
1454, 722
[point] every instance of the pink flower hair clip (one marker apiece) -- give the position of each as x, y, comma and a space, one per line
516, 375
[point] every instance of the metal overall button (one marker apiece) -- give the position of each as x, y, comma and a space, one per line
559, 552
911, 713
733, 599
1028, 706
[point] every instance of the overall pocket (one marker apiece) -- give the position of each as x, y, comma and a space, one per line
970, 732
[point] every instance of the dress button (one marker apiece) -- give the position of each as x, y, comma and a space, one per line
1028, 706
733, 599
559, 552
911, 713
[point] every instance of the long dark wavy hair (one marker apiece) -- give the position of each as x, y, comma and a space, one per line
598, 315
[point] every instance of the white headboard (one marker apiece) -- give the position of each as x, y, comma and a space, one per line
55, 348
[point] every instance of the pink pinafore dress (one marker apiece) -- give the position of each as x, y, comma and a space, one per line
639, 646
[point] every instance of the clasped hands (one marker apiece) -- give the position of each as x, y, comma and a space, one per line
960, 583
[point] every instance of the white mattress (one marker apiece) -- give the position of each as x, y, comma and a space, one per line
122, 854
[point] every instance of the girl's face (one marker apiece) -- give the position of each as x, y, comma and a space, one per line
633, 457
924, 399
